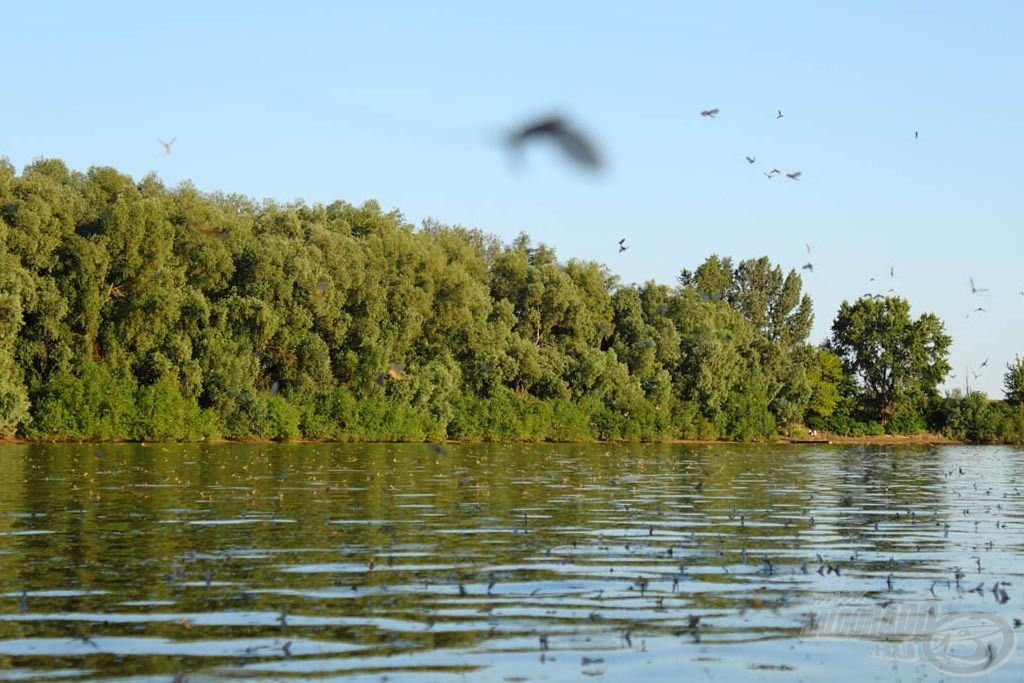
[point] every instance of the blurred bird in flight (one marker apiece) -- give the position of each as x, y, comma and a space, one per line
557, 130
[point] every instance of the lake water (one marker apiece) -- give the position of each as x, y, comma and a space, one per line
510, 563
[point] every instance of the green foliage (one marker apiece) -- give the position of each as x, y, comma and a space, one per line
164, 414
129, 310
1013, 382
777, 318
978, 419
895, 363
826, 380
95, 403
14, 403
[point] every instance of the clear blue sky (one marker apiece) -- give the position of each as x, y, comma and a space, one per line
405, 102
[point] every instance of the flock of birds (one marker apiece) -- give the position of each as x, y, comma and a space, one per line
792, 175
581, 150
573, 143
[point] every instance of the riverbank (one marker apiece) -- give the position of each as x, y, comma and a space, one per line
923, 439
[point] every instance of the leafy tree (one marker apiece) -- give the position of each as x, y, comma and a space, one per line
825, 377
712, 280
1013, 382
780, 317
897, 363
978, 419
14, 402
772, 302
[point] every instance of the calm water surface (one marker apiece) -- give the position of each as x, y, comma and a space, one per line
510, 563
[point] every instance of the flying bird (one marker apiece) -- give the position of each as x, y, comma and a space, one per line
767, 175
975, 290
750, 160
774, 171
623, 247
915, 134
892, 271
983, 364
808, 246
710, 112
808, 266
779, 115
556, 129
167, 145
795, 175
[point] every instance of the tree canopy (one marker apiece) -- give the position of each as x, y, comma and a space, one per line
896, 362
129, 310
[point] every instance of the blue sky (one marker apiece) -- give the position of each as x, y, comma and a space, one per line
406, 103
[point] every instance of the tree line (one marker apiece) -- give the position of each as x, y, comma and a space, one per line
133, 311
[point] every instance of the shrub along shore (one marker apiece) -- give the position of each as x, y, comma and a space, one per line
136, 312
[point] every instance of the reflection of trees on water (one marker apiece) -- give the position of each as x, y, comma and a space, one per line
595, 536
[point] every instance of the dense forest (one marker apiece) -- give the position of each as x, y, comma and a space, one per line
132, 311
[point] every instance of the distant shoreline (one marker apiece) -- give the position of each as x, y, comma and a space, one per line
924, 439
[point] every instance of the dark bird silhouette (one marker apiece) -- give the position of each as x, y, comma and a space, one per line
167, 145
767, 175
779, 115
915, 134
750, 160
795, 175
983, 364
808, 246
774, 171
892, 271
556, 129
975, 290
808, 266
712, 113
623, 247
